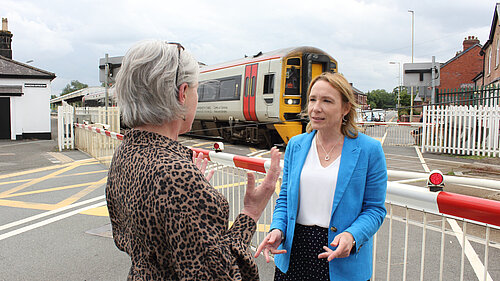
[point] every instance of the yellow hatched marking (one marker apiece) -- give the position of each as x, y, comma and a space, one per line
83, 162
203, 143
61, 157
82, 193
99, 211
48, 189
37, 180
27, 205
57, 177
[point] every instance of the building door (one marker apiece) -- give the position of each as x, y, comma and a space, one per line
4, 118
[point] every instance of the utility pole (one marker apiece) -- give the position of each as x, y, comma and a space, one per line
412, 47
433, 81
399, 81
106, 72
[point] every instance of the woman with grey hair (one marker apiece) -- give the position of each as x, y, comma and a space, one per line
164, 213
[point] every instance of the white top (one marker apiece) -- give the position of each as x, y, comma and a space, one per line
317, 189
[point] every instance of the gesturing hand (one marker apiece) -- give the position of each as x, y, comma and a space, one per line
256, 198
344, 243
202, 164
270, 244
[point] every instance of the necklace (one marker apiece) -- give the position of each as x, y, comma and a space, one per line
327, 156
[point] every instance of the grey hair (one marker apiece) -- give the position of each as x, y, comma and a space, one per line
146, 88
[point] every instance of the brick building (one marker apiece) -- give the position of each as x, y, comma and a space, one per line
491, 55
460, 71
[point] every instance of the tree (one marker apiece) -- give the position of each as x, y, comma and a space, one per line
74, 85
380, 99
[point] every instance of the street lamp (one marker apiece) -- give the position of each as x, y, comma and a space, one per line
399, 81
412, 47
412, 32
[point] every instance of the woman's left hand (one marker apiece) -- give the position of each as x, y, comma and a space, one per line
202, 164
344, 243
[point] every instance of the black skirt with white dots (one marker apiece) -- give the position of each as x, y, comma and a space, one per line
308, 242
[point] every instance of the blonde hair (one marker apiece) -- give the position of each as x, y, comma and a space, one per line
338, 81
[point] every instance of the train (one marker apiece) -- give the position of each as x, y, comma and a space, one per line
259, 99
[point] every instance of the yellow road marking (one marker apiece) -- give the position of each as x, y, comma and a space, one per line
99, 211
61, 157
82, 193
49, 189
37, 180
252, 149
27, 205
56, 177
89, 161
203, 143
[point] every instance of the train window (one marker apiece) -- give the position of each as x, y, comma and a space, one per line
200, 91
210, 90
269, 84
292, 81
293, 61
227, 90
253, 86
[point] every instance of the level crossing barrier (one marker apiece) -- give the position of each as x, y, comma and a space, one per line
425, 235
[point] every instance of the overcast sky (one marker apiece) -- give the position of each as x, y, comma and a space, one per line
69, 37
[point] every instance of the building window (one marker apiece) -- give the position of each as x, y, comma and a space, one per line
498, 52
489, 62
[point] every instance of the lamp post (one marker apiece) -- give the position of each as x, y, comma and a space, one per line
412, 48
399, 81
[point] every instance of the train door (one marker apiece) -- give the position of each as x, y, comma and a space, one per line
249, 92
314, 65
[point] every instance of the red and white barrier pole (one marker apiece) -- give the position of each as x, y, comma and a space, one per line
441, 202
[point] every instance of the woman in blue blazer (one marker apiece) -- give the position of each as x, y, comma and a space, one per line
331, 201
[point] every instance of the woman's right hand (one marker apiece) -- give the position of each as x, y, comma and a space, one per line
270, 244
256, 198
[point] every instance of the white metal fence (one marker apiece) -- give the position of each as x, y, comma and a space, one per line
465, 130
65, 132
98, 115
393, 133
418, 240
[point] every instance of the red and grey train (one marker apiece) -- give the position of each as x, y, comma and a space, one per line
259, 99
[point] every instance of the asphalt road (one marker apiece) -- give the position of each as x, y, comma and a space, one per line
54, 224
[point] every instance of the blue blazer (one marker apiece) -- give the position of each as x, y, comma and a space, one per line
358, 204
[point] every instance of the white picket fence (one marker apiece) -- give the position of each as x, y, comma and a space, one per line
65, 130
462, 130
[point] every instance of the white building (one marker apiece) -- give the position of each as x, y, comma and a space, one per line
24, 95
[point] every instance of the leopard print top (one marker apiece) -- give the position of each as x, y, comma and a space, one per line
172, 223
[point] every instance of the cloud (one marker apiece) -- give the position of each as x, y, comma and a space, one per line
68, 38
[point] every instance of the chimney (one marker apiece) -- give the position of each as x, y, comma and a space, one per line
5, 40
470, 41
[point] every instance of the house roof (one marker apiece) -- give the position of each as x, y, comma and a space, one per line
461, 54
14, 69
493, 26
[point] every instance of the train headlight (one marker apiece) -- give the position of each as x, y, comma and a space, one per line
435, 182
292, 101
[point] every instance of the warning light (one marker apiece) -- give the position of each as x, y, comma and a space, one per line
218, 146
436, 181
